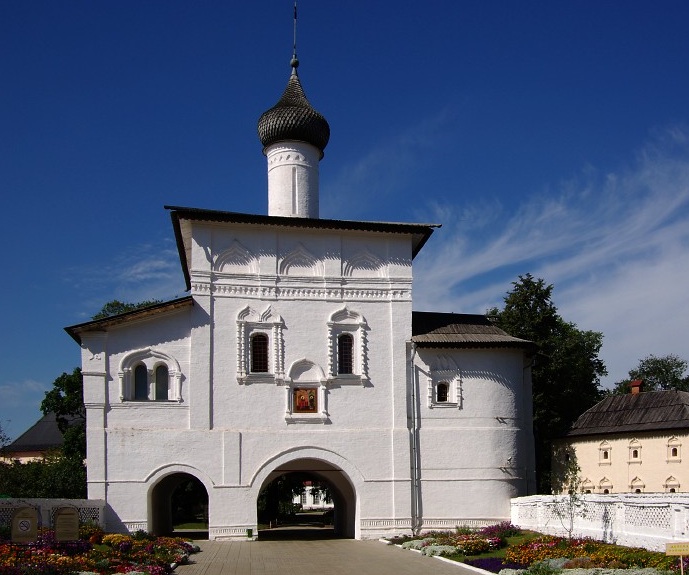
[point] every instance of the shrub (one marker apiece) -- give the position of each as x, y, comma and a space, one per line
441, 550
502, 530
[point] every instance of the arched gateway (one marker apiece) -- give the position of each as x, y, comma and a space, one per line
175, 498
325, 466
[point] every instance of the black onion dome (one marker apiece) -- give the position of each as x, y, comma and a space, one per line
293, 118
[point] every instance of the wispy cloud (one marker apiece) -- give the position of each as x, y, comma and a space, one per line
615, 245
376, 178
139, 272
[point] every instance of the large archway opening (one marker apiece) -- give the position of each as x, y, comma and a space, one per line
306, 499
179, 505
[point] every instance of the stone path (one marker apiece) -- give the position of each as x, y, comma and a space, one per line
314, 557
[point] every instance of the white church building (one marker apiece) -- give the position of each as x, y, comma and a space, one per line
297, 350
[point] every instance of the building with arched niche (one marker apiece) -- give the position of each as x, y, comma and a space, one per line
297, 350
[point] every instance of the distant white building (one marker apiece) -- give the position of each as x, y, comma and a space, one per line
312, 499
297, 350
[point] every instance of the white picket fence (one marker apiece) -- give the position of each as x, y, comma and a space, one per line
631, 519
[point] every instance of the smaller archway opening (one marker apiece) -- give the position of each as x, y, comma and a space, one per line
179, 506
296, 505
306, 499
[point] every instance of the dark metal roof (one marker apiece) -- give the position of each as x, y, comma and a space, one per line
75, 331
41, 436
431, 329
646, 411
293, 118
419, 232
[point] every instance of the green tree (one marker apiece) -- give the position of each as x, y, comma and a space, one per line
66, 401
53, 477
116, 307
4, 438
658, 374
566, 370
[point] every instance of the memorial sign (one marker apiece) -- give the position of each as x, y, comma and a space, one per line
66, 524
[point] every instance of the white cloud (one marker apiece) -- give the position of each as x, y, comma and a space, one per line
615, 246
137, 273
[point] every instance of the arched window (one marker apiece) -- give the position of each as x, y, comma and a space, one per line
345, 354
347, 347
637, 485
140, 382
259, 353
635, 448
162, 383
674, 451
605, 486
150, 374
441, 391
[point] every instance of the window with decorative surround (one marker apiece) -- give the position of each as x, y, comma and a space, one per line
636, 485
347, 347
605, 485
604, 453
150, 375
671, 485
444, 383
634, 451
674, 450
260, 346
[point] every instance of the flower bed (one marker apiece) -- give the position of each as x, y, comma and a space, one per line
94, 553
541, 555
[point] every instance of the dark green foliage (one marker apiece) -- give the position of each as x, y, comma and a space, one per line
53, 477
566, 370
66, 401
4, 438
658, 374
189, 502
116, 307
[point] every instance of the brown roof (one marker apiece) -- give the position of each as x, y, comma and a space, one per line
648, 411
101, 324
431, 329
181, 216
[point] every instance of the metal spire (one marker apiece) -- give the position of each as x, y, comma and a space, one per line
294, 62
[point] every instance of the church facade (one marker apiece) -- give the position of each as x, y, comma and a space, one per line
298, 350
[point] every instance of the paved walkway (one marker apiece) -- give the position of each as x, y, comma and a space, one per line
315, 557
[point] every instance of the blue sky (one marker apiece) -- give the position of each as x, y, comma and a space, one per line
547, 137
